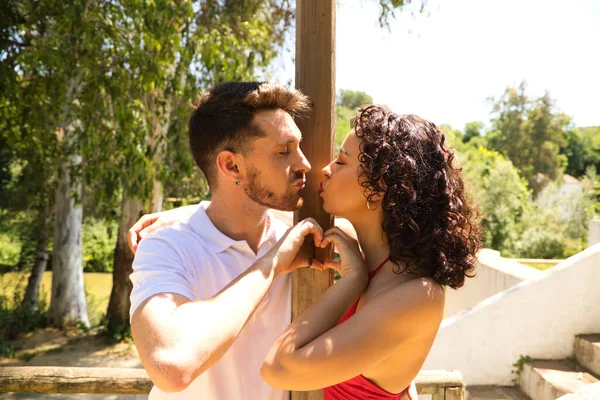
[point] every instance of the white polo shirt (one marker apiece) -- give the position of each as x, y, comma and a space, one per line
196, 260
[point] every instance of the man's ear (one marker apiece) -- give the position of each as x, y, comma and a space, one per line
228, 165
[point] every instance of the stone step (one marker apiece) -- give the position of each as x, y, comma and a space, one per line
589, 392
587, 352
494, 393
551, 379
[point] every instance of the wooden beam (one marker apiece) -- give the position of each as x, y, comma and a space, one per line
441, 385
74, 380
315, 77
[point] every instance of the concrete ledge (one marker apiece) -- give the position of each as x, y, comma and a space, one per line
551, 379
587, 352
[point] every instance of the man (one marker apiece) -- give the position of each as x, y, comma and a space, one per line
211, 293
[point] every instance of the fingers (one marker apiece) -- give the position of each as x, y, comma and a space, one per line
340, 233
332, 238
331, 264
134, 232
310, 226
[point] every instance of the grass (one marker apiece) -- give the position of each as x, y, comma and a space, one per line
541, 267
97, 287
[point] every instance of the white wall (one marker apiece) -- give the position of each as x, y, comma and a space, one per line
594, 232
493, 274
538, 317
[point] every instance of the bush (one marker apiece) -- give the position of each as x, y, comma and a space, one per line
540, 242
17, 318
99, 241
499, 192
10, 248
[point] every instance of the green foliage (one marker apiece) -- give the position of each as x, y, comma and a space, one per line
518, 367
539, 241
558, 225
388, 8
10, 248
119, 333
583, 150
342, 123
472, 130
17, 318
99, 240
531, 133
353, 99
500, 193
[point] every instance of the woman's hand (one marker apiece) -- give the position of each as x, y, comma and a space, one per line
150, 223
285, 252
351, 258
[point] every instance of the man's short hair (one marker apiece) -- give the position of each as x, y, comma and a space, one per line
222, 119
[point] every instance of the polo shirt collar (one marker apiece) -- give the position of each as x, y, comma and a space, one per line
216, 239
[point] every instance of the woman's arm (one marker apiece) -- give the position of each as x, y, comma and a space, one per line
314, 352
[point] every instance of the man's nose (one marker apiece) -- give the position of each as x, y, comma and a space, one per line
303, 165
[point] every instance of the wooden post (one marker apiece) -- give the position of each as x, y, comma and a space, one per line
315, 77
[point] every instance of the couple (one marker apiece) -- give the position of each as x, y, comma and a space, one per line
211, 298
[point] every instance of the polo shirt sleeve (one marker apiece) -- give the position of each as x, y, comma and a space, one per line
158, 268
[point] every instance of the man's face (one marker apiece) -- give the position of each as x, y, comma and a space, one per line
275, 166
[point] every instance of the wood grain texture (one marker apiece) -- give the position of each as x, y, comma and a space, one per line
74, 380
315, 77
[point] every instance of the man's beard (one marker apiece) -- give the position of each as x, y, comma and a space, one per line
290, 201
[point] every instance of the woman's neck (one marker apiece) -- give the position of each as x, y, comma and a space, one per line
372, 240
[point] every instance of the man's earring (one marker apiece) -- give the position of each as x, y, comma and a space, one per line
237, 182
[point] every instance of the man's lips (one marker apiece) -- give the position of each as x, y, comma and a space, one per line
300, 183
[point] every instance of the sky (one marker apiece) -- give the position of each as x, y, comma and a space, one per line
444, 64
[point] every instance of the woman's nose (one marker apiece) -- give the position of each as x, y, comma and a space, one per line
326, 171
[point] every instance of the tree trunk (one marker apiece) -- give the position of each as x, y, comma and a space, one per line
118, 306
32, 292
160, 116
67, 304
157, 196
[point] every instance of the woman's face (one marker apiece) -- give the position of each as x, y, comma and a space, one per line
341, 191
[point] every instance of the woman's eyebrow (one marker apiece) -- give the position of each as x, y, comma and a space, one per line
342, 150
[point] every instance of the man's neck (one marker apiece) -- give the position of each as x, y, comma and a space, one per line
239, 218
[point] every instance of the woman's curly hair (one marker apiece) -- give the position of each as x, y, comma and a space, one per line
429, 222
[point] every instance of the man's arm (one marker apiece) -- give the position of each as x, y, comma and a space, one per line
178, 339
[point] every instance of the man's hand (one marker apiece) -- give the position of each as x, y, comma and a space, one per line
151, 223
285, 252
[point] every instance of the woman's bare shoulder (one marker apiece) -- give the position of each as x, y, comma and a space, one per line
421, 294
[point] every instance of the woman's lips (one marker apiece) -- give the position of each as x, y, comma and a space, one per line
320, 188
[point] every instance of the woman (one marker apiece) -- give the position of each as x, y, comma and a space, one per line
368, 336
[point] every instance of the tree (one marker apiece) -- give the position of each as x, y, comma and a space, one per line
530, 133
582, 150
219, 41
499, 192
60, 50
472, 130
353, 99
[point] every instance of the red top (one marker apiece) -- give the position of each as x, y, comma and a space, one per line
359, 387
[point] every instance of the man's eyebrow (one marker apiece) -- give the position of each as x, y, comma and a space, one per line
288, 140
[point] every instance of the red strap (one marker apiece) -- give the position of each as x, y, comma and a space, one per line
372, 273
